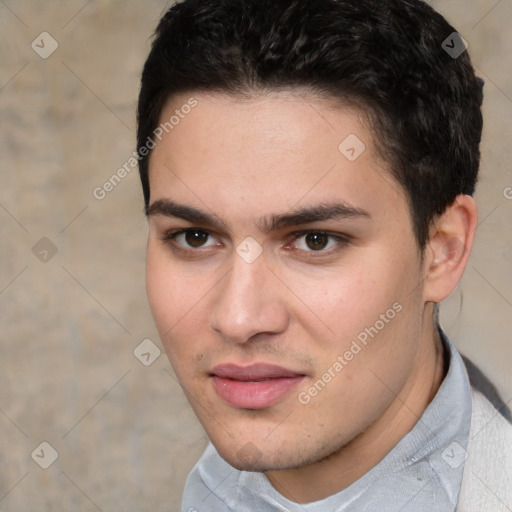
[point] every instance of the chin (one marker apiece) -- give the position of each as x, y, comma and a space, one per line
258, 455
260, 464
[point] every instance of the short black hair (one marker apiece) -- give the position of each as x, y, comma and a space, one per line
389, 58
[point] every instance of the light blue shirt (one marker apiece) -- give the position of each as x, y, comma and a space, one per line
422, 473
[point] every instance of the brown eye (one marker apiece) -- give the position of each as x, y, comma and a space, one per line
317, 241
320, 242
191, 241
196, 238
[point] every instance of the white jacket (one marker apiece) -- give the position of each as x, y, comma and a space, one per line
487, 481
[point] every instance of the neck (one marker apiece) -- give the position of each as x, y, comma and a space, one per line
342, 468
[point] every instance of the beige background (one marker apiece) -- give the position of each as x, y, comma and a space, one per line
125, 436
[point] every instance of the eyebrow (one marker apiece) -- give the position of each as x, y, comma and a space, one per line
169, 208
299, 216
314, 213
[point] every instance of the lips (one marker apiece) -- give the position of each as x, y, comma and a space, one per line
257, 386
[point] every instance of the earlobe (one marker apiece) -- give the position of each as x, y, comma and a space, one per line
448, 248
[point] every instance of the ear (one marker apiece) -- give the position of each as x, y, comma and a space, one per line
448, 248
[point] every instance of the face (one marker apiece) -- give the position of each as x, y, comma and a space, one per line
282, 273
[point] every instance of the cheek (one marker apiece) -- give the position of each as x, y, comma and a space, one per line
177, 300
172, 290
160, 287
169, 296
350, 298
372, 318
365, 312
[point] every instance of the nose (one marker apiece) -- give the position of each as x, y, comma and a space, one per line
247, 303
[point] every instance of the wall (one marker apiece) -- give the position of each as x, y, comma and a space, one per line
72, 299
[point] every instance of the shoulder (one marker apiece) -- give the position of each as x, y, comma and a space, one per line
487, 480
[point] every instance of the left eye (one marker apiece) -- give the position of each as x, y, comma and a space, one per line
316, 241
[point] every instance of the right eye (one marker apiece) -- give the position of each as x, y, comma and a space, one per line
190, 238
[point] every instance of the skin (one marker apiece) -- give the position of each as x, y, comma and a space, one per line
240, 161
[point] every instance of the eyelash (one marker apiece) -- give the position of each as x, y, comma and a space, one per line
342, 241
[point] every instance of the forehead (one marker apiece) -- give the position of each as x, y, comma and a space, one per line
249, 154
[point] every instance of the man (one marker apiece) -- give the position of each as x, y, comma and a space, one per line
308, 169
